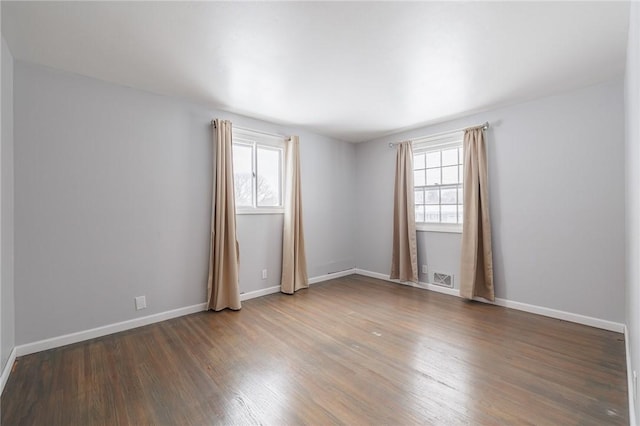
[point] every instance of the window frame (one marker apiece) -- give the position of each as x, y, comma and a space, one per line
439, 143
256, 140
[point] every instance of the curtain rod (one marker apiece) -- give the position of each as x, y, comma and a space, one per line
246, 129
273, 135
484, 126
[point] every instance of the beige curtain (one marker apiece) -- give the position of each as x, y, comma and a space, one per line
476, 270
224, 255
294, 259
404, 261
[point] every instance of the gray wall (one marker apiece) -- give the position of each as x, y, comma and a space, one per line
328, 185
113, 191
113, 201
440, 252
632, 110
557, 202
6, 209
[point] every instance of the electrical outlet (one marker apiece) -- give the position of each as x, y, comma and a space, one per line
424, 269
141, 302
264, 274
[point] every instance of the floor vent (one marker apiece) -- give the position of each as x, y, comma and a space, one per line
443, 279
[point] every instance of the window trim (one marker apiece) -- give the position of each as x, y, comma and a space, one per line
255, 140
449, 228
438, 143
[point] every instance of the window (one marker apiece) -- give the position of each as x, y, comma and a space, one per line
257, 172
437, 181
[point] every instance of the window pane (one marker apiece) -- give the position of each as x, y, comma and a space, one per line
418, 161
433, 159
460, 214
419, 213
268, 168
242, 175
433, 176
449, 175
450, 157
418, 197
460, 195
432, 196
418, 178
461, 174
460, 155
449, 214
448, 196
432, 214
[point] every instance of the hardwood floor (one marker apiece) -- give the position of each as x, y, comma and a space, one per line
355, 350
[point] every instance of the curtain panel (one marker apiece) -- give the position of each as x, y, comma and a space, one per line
404, 259
294, 259
476, 270
224, 256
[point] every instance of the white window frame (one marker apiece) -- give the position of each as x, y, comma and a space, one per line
256, 140
438, 143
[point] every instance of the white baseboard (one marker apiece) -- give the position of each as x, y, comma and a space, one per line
632, 405
7, 369
313, 280
539, 310
80, 336
332, 276
426, 286
259, 293
67, 339
563, 315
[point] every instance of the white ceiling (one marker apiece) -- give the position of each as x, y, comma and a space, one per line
351, 70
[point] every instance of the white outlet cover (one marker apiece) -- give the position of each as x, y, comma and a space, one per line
264, 274
141, 302
424, 269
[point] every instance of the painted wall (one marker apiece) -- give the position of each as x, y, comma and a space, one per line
375, 165
113, 201
632, 156
328, 185
7, 323
557, 202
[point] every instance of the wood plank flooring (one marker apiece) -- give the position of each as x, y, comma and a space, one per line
355, 350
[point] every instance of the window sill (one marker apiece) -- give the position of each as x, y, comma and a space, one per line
259, 211
452, 228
